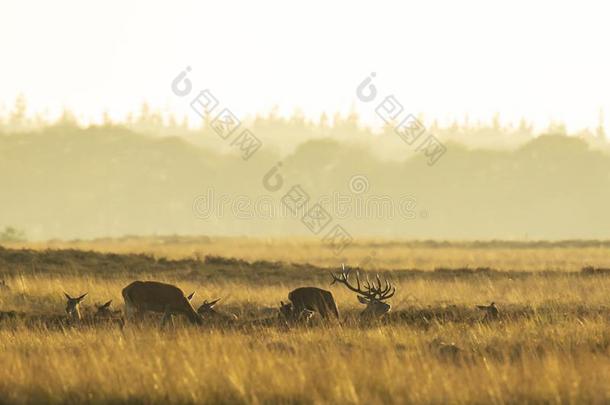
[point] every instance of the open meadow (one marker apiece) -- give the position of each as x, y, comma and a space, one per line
304, 203
550, 342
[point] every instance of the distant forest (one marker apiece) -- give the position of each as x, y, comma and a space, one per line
152, 175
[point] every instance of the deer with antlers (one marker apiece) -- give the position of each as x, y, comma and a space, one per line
372, 294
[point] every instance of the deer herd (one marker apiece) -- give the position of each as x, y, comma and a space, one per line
142, 297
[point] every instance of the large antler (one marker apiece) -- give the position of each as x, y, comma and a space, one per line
381, 293
372, 291
343, 278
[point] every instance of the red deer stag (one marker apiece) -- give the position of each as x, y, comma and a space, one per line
373, 295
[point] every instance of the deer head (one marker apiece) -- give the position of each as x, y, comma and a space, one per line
72, 306
373, 295
207, 311
104, 310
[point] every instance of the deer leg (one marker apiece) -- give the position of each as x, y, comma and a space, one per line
298, 308
133, 313
166, 316
129, 312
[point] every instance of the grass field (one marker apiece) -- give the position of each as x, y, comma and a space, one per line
366, 253
551, 343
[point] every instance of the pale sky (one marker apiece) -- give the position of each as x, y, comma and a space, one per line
541, 60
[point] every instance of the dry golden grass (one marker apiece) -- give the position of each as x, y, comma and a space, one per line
514, 363
367, 253
551, 344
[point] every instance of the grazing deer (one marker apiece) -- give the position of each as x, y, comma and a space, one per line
142, 296
491, 311
207, 311
311, 299
373, 295
73, 307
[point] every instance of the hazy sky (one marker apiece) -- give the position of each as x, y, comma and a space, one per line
541, 60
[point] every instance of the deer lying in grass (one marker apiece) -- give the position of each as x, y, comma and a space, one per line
207, 312
105, 314
373, 295
491, 311
305, 301
289, 314
153, 296
73, 307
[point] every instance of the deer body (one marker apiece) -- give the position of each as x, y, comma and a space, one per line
313, 299
153, 296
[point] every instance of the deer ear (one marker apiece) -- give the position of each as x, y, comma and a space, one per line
363, 300
82, 297
211, 304
190, 296
67, 296
106, 305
